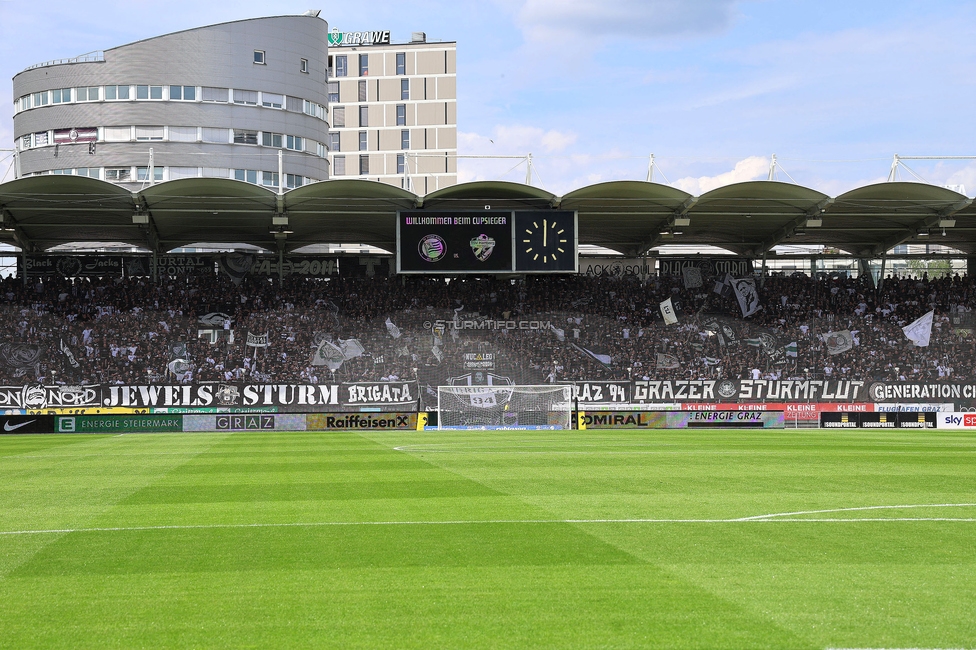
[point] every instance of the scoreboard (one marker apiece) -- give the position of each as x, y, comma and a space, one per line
501, 241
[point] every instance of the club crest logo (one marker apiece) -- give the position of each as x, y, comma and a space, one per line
335, 37
726, 388
482, 247
227, 395
432, 248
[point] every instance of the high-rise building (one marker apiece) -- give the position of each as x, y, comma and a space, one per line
393, 110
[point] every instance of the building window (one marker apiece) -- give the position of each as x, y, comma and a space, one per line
401, 163
405, 139
245, 137
269, 179
401, 63
271, 100
363, 141
183, 93
40, 99
246, 175
313, 109
41, 139
259, 56
364, 116
149, 92
183, 134
333, 92
246, 97
214, 94
294, 180
333, 141
319, 149
118, 174
271, 139
401, 114
183, 172
90, 172
25, 102
144, 133
363, 65
61, 96
363, 164
117, 134
339, 166
294, 143
86, 94
217, 136
362, 91
303, 65
142, 173
116, 92
341, 66
404, 89
339, 116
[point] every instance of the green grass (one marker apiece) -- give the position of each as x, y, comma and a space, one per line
489, 539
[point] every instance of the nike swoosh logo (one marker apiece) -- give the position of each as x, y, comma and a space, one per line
13, 427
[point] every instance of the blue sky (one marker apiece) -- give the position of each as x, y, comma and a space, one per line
592, 87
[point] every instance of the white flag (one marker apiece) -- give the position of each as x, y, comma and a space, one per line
920, 331
560, 334
667, 310
392, 329
747, 295
328, 354
838, 342
692, 277
351, 348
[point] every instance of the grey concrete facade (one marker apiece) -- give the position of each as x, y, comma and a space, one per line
264, 102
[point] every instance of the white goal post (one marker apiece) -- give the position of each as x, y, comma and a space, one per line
549, 406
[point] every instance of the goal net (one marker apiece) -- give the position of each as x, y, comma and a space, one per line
504, 407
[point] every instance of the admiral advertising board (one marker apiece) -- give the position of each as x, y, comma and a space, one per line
487, 242
682, 419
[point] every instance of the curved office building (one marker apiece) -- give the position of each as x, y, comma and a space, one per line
244, 100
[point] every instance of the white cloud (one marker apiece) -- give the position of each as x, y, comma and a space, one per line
749, 169
560, 19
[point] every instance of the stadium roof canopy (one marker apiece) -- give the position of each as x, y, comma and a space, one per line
631, 217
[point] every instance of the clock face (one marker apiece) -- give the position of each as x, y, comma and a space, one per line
545, 241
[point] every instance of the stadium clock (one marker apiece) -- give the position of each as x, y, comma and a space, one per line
545, 241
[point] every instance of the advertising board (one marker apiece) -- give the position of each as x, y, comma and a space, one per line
346, 421
119, 423
879, 420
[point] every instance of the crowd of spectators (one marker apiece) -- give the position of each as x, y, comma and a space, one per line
543, 329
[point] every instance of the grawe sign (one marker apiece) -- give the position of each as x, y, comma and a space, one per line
337, 38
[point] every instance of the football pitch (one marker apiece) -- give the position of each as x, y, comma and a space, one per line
618, 539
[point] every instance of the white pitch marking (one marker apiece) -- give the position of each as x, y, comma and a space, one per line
860, 508
463, 522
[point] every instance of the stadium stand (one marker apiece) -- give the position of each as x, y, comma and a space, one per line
206, 328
